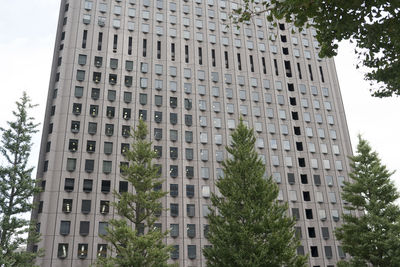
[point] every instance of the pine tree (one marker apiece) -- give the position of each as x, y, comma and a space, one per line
373, 236
17, 187
133, 237
247, 225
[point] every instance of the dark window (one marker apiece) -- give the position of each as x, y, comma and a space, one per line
173, 171
299, 146
189, 172
99, 41
89, 165
69, 184
175, 252
309, 214
317, 179
87, 185
314, 251
322, 74
144, 52
173, 118
73, 145
65, 227
188, 104
126, 113
311, 232
158, 133
251, 63
109, 129
296, 213
130, 45
173, 102
105, 186
126, 130
143, 114
288, 69
192, 252
127, 97
206, 229
325, 232
158, 116
328, 252
191, 230
77, 109
295, 115
172, 52
285, 50
158, 49
86, 206
297, 130
303, 178
40, 207
48, 146
291, 179
124, 148
84, 228
123, 186
311, 74
128, 81
158, 150
200, 56
173, 152
92, 128
96, 77
188, 120
98, 61
306, 196
186, 54
84, 39
226, 58
75, 125
94, 110
239, 62
302, 162
276, 67
300, 250
264, 65
91, 146
115, 43
213, 60
95, 94
174, 209
190, 190
173, 190
112, 79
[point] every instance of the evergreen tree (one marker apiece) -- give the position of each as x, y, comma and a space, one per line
373, 236
17, 187
133, 237
248, 227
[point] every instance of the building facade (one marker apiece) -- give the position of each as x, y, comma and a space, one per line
181, 67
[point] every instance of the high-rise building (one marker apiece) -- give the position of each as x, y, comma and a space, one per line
178, 66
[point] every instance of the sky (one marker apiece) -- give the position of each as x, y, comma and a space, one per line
27, 35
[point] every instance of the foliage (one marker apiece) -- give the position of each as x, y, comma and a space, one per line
17, 187
134, 237
373, 237
248, 227
374, 25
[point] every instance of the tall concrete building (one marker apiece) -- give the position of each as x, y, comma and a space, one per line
178, 66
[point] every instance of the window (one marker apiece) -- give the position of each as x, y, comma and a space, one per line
104, 206
62, 251
103, 228
82, 251
86, 206
174, 209
84, 228
89, 165
67, 205
191, 230
190, 210
69, 184
192, 252
190, 190
71, 164
65, 227
173, 190
174, 230
105, 186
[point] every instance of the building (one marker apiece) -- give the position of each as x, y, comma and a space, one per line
178, 66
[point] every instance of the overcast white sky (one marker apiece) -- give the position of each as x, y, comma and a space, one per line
27, 33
